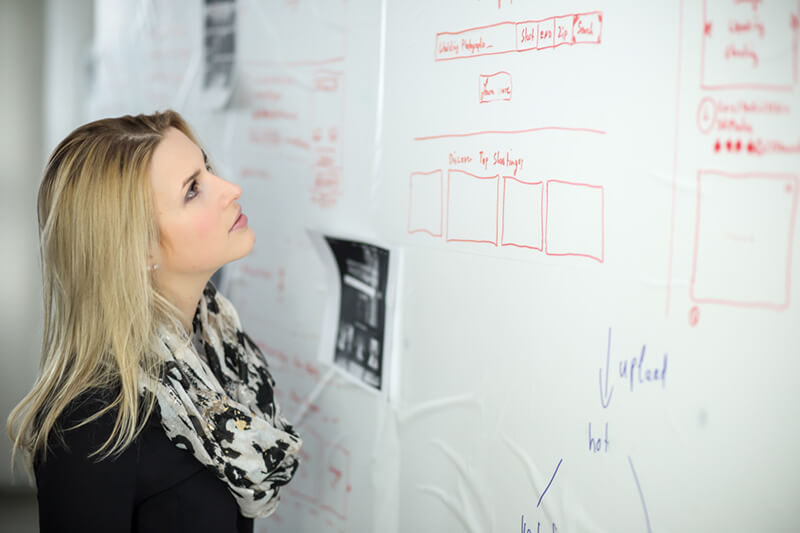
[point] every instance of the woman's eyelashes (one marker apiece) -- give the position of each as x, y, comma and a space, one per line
193, 191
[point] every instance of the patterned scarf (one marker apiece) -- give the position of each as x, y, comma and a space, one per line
223, 411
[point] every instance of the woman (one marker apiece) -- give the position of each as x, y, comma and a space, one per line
153, 410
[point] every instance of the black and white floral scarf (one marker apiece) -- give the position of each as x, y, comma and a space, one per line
221, 407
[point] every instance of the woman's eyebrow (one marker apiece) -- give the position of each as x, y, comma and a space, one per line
196, 172
190, 178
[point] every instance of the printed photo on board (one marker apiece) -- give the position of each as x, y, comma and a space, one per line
219, 47
360, 338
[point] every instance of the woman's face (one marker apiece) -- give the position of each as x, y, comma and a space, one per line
198, 213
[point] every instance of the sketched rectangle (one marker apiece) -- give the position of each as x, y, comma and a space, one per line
587, 28
741, 50
523, 213
547, 34
744, 234
499, 38
575, 220
527, 35
493, 87
472, 207
425, 202
563, 30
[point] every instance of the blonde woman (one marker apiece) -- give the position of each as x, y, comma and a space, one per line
153, 410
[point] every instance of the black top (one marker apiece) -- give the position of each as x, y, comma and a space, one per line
152, 487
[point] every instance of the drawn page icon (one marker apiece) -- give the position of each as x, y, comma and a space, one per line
425, 203
336, 488
522, 213
749, 45
472, 205
305, 484
575, 220
743, 239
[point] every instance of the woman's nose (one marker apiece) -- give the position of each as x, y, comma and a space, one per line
230, 191
237, 191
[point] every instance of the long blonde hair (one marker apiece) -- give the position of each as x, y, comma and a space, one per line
97, 225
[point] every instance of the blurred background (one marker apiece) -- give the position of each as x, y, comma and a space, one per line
45, 48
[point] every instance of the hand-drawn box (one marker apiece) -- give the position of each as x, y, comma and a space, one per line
472, 206
523, 213
575, 220
563, 30
527, 35
547, 32
743, 239
425, 202
493, 39
588, 27
747, 47
493, 87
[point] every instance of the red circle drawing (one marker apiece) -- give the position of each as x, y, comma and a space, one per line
694, 316
706, 115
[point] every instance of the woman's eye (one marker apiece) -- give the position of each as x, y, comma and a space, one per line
192, 192
208, 167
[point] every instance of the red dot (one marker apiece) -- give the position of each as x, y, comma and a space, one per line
694, 316
717, 146
738, 144
728, 145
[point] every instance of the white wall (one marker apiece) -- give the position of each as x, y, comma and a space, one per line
21, 50
44, 47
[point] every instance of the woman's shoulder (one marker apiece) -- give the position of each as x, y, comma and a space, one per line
70, 474
73, 435
85, 405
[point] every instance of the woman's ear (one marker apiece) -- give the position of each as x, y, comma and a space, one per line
153, 259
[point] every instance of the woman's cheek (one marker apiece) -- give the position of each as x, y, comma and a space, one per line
198, 242
204, 227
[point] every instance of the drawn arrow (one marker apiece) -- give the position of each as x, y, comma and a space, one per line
605, 395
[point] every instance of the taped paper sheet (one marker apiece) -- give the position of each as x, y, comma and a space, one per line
357, 332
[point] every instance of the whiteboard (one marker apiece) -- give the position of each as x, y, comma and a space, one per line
597, 208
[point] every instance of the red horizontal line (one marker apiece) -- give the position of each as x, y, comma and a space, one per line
762, 86
301, 63
507, 132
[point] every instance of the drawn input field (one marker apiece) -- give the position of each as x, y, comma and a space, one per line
493, 87
425, 202
743, 239
744, 46
523, 215
505, 37
472, 206
574, 220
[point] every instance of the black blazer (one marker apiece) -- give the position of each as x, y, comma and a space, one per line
152, 487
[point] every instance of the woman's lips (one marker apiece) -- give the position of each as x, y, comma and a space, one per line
241, 222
